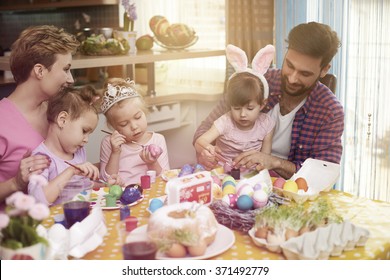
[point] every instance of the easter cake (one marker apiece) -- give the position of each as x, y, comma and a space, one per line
183, 228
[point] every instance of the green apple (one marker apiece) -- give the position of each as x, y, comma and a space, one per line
116, 190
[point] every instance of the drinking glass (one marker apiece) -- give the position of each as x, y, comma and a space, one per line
134, 240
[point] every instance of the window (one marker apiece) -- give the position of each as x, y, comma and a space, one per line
207, 18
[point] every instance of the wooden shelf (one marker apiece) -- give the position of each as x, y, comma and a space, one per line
49, 4
142, 57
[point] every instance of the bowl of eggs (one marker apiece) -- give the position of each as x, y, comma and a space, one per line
314, 177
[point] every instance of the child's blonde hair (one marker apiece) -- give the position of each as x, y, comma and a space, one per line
74, 101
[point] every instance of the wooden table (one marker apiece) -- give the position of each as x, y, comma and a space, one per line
372, 215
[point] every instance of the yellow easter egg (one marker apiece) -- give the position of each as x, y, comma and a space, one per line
229, 189
290, 186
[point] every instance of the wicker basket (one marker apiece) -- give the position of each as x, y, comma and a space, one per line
238, 219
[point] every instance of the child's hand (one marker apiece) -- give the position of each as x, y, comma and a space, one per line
87, 169
150, 153
115, 179
116, 140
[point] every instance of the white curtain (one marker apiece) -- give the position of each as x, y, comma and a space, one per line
207, 18
362, 67
366, 100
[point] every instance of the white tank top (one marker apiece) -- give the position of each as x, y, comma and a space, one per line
281, 141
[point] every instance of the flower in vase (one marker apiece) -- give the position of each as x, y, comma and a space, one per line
18, 225
129, 16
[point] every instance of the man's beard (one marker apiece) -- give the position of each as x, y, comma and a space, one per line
300, 91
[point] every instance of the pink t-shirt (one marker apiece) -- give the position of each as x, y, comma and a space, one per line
131, 166
233, 141
16, 137
75, 185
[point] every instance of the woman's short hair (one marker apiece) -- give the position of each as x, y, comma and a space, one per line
39, 44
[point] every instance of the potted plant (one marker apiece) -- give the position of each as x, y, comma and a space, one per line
21, 232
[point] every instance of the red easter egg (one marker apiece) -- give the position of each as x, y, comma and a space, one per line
279, 182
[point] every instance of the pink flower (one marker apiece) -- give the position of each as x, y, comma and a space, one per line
4, 220
39, 211
24, 202
11, 199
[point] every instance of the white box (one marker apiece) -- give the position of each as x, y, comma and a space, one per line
195, 187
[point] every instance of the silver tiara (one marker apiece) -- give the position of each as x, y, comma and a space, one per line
114, 94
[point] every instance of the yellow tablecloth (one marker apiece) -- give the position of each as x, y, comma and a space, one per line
369, 214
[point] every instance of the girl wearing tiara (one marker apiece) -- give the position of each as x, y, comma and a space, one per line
130, 150
72, 117
244, 127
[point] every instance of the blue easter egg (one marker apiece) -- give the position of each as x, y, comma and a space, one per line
186, 170
130, 195
244, 202
155, 204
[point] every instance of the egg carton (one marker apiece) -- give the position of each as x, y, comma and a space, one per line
319, 244
260, 242
320, 176
325, 242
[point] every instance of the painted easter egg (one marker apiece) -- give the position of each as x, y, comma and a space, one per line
290, 186
230, 199
228, 189
279, 182
244, 202
260, 199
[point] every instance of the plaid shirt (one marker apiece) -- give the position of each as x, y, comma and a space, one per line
317, 127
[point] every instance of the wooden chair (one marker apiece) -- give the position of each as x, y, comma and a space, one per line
6, 89
330, 81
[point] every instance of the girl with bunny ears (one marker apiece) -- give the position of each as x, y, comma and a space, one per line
244, 127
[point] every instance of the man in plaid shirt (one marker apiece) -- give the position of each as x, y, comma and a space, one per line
309, 118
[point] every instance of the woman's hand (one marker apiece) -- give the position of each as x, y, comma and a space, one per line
30, 165
116, 140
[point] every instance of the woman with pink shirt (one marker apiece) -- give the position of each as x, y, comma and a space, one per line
244, 127
40, 63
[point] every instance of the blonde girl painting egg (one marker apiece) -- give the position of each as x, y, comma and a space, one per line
125, 151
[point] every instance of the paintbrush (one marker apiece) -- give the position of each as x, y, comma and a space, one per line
220, 158
105, 131
79, 169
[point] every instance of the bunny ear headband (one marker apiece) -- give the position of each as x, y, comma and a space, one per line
260, 62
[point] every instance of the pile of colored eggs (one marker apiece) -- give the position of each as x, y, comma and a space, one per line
296, 186
243, 196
